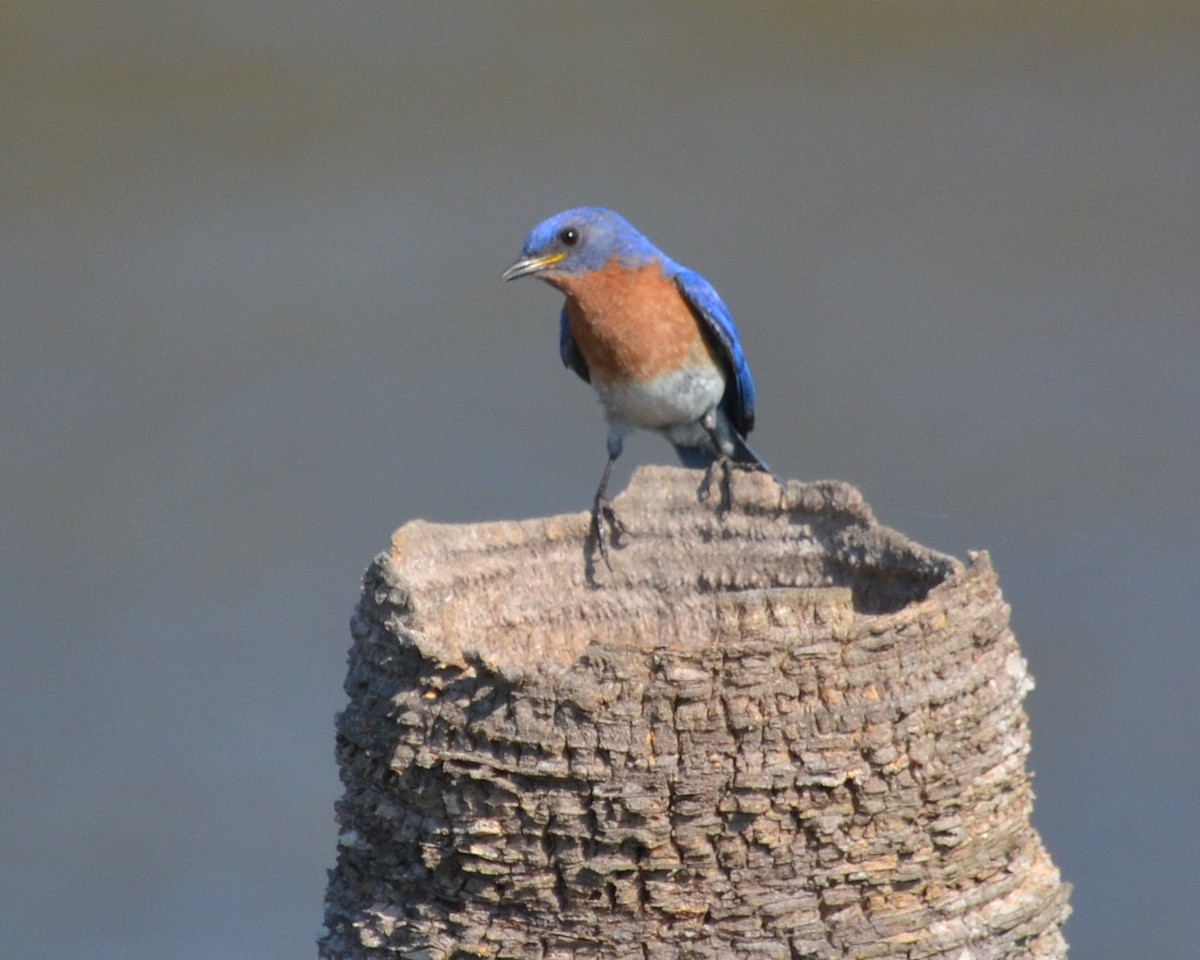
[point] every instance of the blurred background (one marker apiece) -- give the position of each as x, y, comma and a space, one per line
252, 321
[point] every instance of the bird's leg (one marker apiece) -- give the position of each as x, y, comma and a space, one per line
722, 462
602, 508
725, 487
732, 454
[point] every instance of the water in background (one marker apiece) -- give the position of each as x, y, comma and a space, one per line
252, 321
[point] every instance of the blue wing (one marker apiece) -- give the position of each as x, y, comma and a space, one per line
568, 349
705, 302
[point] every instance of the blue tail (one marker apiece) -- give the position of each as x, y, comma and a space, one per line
703, 457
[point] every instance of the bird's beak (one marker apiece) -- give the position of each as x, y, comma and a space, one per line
527, 265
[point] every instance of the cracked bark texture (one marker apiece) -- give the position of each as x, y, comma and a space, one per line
783, 732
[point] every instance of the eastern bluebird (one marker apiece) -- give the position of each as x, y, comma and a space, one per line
651, 336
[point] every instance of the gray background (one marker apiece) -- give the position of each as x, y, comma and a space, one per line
253, 321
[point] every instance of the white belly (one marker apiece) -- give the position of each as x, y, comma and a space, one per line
673, 400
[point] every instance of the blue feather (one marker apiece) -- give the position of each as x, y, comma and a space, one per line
568, 349
706, 303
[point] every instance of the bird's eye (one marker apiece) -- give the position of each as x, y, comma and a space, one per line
568, 236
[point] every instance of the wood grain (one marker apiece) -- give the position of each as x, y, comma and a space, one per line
786, 732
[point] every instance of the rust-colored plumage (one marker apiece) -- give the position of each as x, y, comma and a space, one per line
632, 324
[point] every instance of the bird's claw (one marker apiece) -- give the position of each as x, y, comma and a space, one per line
724, 488
726, 466
603, 513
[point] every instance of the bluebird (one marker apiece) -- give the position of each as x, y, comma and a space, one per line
653, 339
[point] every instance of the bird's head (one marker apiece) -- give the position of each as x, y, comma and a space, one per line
578, 241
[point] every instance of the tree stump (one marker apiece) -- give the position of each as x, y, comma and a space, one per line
780, 732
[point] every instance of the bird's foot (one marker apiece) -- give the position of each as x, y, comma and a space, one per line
725, 467
724, 488
603, 514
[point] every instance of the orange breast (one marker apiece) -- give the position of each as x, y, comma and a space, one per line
632, 325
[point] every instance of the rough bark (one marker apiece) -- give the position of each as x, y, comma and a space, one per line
783, 732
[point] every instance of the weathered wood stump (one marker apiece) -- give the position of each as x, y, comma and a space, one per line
787, 732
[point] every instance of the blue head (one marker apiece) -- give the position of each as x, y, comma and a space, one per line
578, 241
